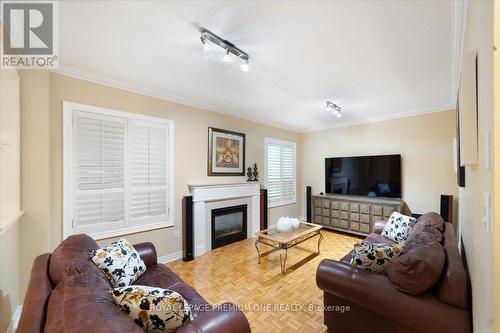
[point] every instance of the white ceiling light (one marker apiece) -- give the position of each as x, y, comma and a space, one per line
334, 109
211, 41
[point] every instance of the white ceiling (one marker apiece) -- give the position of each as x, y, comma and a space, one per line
377, 60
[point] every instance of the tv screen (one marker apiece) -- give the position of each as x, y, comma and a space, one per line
372, 176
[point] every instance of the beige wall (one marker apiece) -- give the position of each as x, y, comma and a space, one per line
42, 96
425, 143
479, 180
496, 148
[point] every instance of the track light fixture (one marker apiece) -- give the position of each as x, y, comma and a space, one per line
212, 41
333, 108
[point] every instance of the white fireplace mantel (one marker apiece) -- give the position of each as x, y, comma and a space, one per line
208, 197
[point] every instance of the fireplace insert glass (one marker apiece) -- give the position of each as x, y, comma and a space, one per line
229, 224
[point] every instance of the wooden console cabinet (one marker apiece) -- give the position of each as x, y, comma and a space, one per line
353, 214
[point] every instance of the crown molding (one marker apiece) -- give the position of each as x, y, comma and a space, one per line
138, 89
458, 24
376, 119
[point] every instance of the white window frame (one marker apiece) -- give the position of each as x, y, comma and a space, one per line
267, 141
68, 229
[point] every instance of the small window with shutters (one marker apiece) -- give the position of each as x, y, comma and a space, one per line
280, 172
118, 172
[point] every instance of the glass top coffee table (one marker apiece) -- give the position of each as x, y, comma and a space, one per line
283, 240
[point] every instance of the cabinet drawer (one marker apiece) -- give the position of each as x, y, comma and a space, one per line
335, 204
364, 228
344, 205
364, 208
334, 213
364, 218
344, 215
354, 207
334, 222
377, 210
325, 212
354, 217
355, 226
343, 224
388, 211
316, 202
325, 203
376, 218
325, 220
317, 211
317, 219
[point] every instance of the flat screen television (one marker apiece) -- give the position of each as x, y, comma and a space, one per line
372, 176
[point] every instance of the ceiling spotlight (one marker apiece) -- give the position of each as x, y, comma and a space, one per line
333, 108
211, 41
245, 67
227, 57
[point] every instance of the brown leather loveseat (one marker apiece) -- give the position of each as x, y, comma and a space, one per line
67, 292
359, 301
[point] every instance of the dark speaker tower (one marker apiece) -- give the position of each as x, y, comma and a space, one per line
263, 209
187, 229
309, 204
447, 208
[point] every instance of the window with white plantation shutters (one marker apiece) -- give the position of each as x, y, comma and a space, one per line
117, 172
280, 172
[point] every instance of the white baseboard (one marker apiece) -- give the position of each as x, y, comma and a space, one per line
15, 319
170, 257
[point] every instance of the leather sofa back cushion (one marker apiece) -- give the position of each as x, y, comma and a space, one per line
432, 219
417, 269
72, 257
452, 287
81, 303
422, 234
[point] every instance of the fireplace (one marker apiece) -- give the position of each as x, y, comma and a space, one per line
229, 225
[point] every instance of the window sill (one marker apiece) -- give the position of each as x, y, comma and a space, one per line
131, 230
284, 203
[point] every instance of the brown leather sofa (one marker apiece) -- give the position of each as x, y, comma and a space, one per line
375, 304
68, 293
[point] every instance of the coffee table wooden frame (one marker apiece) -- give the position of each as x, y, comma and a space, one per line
284, 244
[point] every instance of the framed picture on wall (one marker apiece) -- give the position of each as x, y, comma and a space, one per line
226, 153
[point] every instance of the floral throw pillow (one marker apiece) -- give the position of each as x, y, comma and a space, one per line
120, 262
153, 309
398, 227
374, 257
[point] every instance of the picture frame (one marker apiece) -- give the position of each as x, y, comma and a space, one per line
226, 153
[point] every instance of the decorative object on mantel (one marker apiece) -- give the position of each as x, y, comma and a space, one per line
226, 153
255, 173
287, 223
249, 174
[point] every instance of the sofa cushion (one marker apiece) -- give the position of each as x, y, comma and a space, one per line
418, 268
422, 234
72, 257
81, 303
158, 276
153, 309
398, 227
432, 219
374, 257
120, 262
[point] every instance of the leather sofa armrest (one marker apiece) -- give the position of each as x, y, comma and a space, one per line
224, 318
375, 293
378, 226
147, 252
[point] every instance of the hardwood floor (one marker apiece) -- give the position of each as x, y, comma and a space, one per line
231, 274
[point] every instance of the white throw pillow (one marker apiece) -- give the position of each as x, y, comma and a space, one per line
120, 262
153, 309
398, 227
